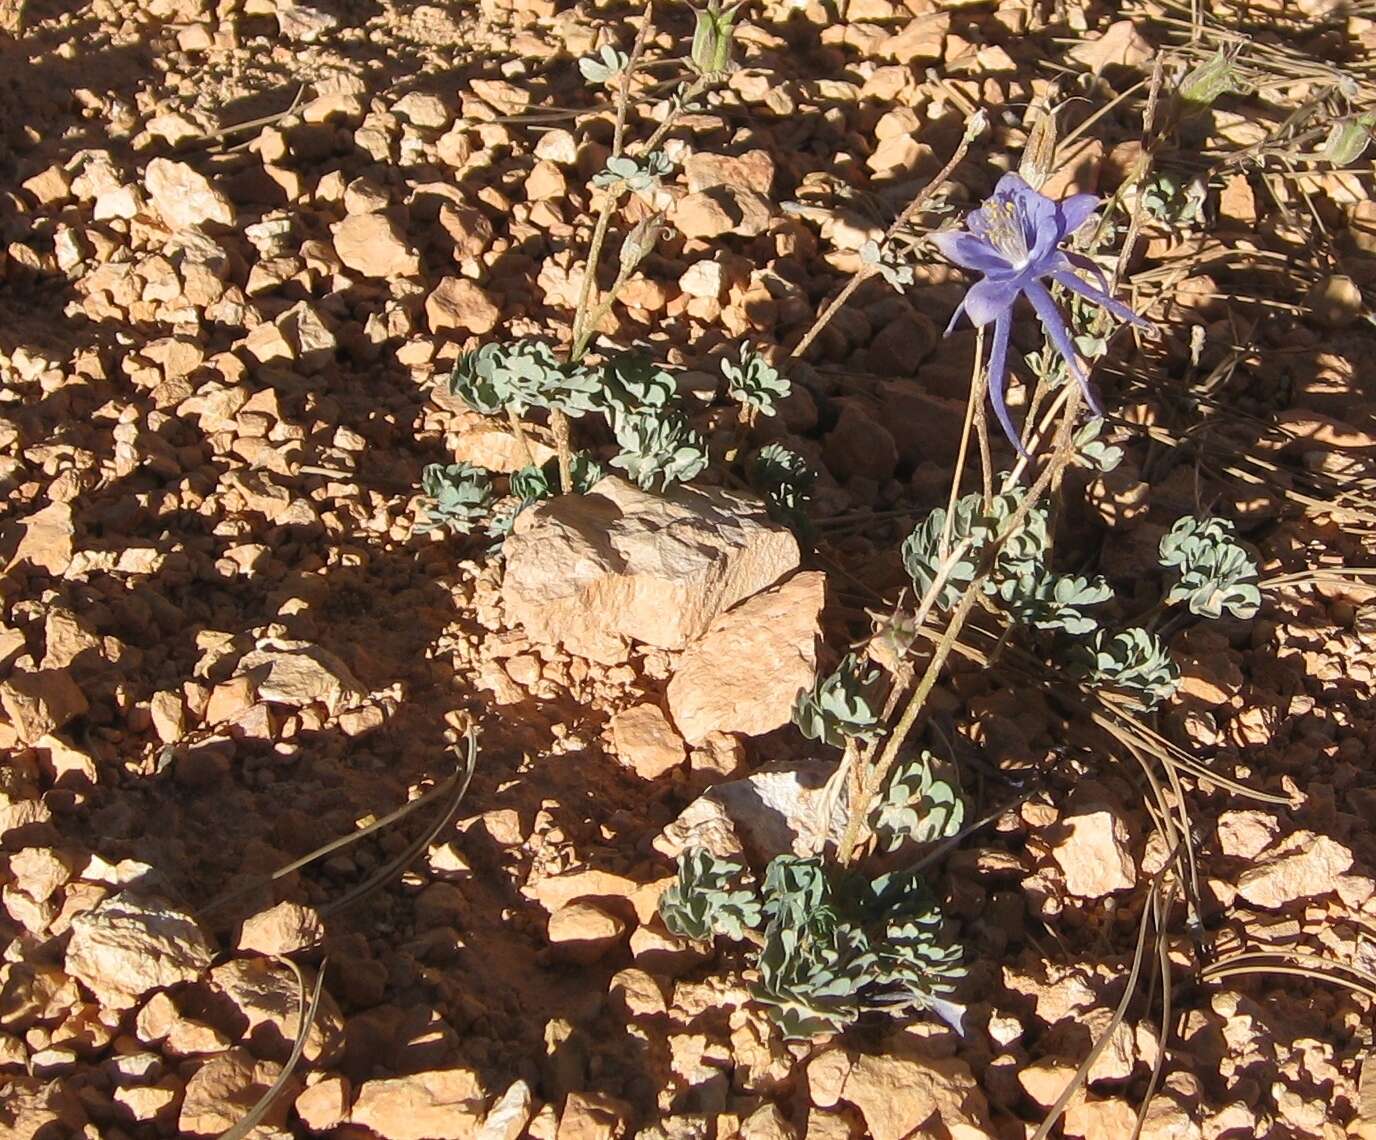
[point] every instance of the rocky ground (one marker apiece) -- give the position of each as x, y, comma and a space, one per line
241, 244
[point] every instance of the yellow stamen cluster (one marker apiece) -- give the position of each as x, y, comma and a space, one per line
1005, 230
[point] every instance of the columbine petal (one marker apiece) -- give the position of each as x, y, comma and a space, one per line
951, 324
1054, 324
1099, 297
989, 298
970, 252
1088, 264
1075, 211
997, 378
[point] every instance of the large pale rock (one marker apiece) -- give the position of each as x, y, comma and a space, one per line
225, 1088
1094, 855
1304, 866
184, 198
645, 740
439, 1105
48, 539
131, 943
744, 674
507, 1119
595, 571
902, 1097
298, 673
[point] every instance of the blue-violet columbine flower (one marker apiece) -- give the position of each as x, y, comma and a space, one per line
1014, 239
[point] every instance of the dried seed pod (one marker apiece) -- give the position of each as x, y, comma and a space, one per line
1348, 139
1207, 81
1039, 155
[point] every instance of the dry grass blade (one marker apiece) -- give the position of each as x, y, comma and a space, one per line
458, 781
1149, 912
265, 1102
1293, 963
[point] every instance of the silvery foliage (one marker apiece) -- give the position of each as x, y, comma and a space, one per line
606, 67
837, 946
658, 448
1169, 199
460, 494
522, 375
643, 173
753, 381
1216, 571
1134, 662
631, 381
1019, 580
531, 484
1092, 451
884, 260
840, 706
711, 896
921, 802
785, 480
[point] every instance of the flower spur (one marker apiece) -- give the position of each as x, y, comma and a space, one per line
1014, 240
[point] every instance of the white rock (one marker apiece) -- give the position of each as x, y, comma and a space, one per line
1094, 854
183, 197
298, 673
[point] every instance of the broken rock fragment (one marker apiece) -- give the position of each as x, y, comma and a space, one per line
40, 703
131, 943
744, 674
298, 673
593, 572
438, 1105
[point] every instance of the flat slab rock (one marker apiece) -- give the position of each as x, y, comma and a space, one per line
594, 572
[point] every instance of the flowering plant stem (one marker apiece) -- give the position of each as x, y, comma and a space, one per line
873, 773
867, 270
522, 440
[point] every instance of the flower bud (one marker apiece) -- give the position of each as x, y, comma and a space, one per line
1348, 139
1216, 76
640, 242
1039, 155
712, 35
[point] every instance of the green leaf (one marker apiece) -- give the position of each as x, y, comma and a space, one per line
460, 496
1216, 573
753, 381
658, 448
1134, 662
840, 706
785, 480
921, 802
710, 896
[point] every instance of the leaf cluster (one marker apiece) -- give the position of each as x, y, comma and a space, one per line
921, 802
636, 174
658, 447
460, 496
784, 479
753, 381
840, 706
522, 375
710, 896
1133, 662
1216, 572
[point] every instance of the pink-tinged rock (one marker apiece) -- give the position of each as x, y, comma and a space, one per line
40, 703
48, 539
645, 740
184, 198
922, 39
582, 932
371, 244
131, 943
298, 673
442, 1104
744, 674
902, 1097
1304, 866
458, 303
593, 572
223, 1091
1093, 854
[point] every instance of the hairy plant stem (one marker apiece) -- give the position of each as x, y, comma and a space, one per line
559, 428
519, 431
872, 778
971, 403
866, 271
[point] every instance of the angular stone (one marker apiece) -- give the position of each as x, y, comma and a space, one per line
282, 929
645, 740
458, 303
507, 1119
902, 1097
594, 571
183, 197
223, 1090
265, 993
298, 673
437, 1105
1304, 866
744, 674
48, 539
131, 943
371, 244
582, 932
40, 703
1094, 854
